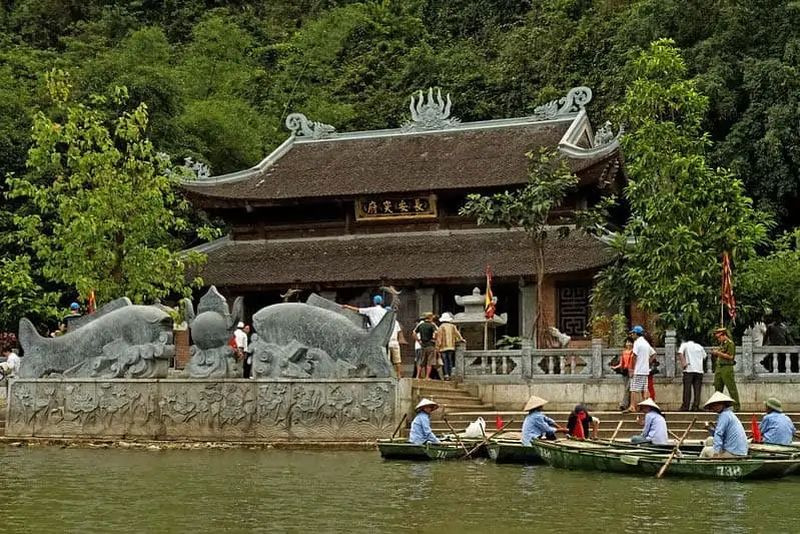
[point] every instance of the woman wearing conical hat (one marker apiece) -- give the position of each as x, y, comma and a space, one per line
655, 426
536, 424
729, 439
421, 432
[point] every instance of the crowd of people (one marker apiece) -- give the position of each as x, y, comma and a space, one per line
435, 340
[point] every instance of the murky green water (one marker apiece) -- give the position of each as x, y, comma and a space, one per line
126, 491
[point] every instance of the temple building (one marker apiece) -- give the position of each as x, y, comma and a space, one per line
345, 214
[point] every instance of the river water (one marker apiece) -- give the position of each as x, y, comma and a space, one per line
136, 491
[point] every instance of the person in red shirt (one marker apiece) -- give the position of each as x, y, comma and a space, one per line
625, 368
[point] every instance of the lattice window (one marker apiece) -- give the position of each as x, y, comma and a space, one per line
573, 308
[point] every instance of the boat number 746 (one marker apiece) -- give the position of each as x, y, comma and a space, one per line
729, 470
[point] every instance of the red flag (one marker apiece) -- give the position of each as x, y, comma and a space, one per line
91, 303
488, 306
727, 286
578, 433
756, 430
498, 422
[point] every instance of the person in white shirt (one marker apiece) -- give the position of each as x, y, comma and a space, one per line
394, 349
10, 367
240, 336
642, 352
374, 313
691, 355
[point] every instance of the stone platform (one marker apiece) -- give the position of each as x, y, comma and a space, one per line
215, 410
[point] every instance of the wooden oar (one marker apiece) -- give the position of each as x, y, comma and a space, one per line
675, 450
487, 439
396, 430
616, 431
455, 434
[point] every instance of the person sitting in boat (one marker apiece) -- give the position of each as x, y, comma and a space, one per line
582, 416
776, 427
729, 439
536, 424
655, 426
421, 432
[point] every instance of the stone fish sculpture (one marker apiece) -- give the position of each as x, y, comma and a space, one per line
212, 328
131, 341
303, 341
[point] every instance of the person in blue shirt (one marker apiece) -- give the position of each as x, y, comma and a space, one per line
536, 424
655, 426
729, 439
421, 432
776, 427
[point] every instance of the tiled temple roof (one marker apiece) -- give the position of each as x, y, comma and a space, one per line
397, 257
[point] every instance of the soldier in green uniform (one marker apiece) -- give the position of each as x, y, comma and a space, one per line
726, 359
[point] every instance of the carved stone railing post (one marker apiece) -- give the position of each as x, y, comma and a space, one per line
527, 358
460, 369
670, 351
597, 358
748, 365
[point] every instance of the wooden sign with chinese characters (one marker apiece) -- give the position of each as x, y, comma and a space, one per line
382, 208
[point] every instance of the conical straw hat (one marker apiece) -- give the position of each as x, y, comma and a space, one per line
533, 403
718, 396
425, 402
651, 403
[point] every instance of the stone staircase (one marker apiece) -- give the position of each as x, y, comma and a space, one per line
455, 399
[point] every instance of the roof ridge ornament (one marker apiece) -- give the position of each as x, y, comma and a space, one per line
605, 135
430, 114
576, 100
300, 126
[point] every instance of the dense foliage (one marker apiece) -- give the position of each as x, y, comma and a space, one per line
684, 213
99, 207
219, 76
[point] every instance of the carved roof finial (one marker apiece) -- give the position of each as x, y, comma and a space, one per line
430, 114
302, 127
576, 100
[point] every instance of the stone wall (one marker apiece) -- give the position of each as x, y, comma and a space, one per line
209, 410
605, 393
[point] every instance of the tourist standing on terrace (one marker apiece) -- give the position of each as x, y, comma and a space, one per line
10, 367
691, 355
642, 351
425, 333
240, 336
625, 368
726, 359
394, 348
446, 338
373, 313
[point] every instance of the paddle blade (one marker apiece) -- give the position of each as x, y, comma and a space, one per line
756, 430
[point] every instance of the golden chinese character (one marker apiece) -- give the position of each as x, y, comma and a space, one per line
402, 206
419, 205
387, 206
372, 208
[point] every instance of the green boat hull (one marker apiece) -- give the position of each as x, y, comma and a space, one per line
622, 460
402, 450
513, 452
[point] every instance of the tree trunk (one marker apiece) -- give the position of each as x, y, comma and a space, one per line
540, 334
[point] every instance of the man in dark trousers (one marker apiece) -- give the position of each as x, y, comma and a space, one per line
725, 353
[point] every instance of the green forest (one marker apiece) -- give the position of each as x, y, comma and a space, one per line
218, 77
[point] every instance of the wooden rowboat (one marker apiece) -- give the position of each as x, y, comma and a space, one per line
598, 457
513, 452
401, 449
